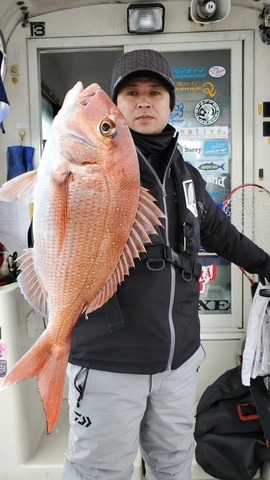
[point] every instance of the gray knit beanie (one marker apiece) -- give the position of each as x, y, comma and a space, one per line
142, 63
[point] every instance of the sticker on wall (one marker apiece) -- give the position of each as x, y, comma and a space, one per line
217, 71
209, 89
208, 274
218, 186
216, 148
3, 368
187, 86
202, 133
211, 167
3, 350
177, 115
3, 359
191, 148
207, 111
192, 86
216, 168
214, 306
189, 72
38, 29
216, 180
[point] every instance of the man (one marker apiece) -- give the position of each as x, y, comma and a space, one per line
134, 362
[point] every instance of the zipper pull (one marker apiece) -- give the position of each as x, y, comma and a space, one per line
164, 191
184, 238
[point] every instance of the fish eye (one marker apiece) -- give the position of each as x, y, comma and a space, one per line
107, 127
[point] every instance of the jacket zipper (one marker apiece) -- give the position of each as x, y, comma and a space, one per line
172, 267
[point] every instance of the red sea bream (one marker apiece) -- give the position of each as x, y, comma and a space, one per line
91, 219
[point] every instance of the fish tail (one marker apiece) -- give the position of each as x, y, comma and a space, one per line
49, 363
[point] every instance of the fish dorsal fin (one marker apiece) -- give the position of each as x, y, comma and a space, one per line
19, 189
30, 284
147, 217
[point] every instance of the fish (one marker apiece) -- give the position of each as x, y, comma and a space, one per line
91, 220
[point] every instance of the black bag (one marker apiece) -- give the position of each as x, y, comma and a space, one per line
232, 428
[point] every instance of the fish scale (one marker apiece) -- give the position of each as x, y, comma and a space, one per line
91, 219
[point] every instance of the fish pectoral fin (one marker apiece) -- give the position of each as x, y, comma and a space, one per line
62, 173
63, 178
30, 284
20, 189
147, 217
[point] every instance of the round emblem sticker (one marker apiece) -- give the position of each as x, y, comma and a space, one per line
207, 111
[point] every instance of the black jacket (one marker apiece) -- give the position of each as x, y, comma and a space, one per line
160, 308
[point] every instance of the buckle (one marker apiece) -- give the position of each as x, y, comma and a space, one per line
247, 412
155, 261
187, 276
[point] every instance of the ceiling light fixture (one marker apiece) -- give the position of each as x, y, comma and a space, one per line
145, 18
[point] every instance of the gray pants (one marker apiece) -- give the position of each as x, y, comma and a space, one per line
119, 412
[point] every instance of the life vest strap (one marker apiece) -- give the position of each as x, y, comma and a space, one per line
157, 255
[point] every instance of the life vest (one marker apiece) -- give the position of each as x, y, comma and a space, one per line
157, 254
186, 255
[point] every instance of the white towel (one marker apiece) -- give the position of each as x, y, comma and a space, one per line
256, 351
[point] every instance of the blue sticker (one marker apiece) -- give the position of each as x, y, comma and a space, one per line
189, 72
217, 147
177, 114
211, 167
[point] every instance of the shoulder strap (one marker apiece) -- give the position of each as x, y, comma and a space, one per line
187, 205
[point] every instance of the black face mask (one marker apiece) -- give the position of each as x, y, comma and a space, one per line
155, 147
151, 143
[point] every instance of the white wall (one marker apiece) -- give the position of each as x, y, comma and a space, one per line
110, 20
